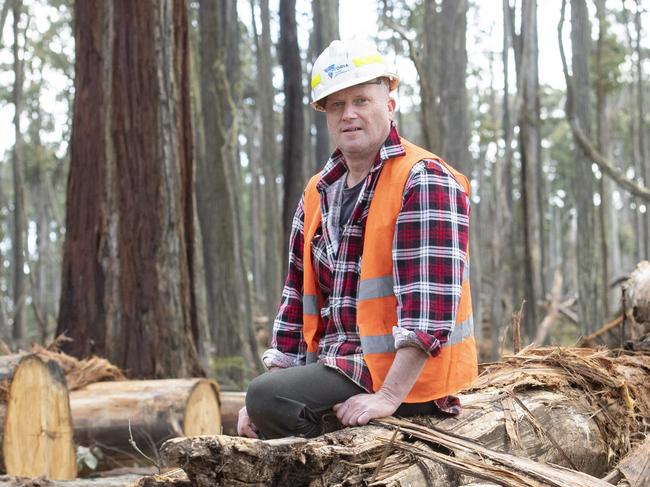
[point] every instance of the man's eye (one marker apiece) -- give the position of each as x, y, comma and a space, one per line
360, 101
336, 105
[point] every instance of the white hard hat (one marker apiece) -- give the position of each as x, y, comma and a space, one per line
348, 63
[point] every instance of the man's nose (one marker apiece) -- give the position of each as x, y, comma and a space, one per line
349, 111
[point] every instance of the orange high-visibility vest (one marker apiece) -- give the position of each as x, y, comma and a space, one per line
456, 365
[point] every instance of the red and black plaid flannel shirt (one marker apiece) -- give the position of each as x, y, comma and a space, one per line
429, 255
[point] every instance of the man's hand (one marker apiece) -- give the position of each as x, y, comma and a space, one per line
245, 426
360, 409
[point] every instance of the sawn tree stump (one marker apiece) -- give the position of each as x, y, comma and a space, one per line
35, 418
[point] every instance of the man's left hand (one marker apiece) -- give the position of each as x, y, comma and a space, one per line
360, 409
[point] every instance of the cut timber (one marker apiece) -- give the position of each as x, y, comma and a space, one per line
341, 456
156, 410
231, 403
543, 417
35, 417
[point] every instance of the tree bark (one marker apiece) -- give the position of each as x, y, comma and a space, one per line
217, 191
128, 289
453, 92
273, 249
607, 239
530, 150
325, 30
293, 139
19, 220
589, 305
644, 160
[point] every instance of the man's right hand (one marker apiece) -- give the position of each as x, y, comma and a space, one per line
245, 426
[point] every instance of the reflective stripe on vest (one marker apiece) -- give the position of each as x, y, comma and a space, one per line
377, 287
310, 304
386, 343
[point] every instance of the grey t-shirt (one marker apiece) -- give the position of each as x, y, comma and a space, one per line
348, 201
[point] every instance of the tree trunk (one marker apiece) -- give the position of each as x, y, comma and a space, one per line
217, 193
325, 30
644, 160
530, 150
273, 249
35, 418
607, 239
589, 308
293, 139
128, 289
19, 220
453, 92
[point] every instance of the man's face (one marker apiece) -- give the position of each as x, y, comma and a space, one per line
358, 119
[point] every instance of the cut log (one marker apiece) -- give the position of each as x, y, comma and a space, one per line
231, 403
171, 479
544, 417
35, 417
156, 410
339, 456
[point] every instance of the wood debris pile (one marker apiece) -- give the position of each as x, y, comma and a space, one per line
543, 417
617, 386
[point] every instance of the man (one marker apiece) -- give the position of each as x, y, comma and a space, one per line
375, 317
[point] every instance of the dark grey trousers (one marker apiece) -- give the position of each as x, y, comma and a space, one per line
293, 401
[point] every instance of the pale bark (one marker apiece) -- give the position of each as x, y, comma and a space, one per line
589, 306
217, 187
19, 221
644, 160
607, 240
530, 150
325, 30
273, 249
454, 130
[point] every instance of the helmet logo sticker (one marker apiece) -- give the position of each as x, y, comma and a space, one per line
334, 70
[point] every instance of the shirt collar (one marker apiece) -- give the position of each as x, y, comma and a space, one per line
336, 166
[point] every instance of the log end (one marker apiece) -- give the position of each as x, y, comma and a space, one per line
202, 415
38, 433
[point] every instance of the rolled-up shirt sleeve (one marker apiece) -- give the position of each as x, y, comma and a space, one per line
288, 347
429, 255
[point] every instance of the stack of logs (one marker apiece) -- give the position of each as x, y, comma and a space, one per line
50, 402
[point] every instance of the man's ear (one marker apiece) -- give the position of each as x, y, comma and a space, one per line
391, 106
